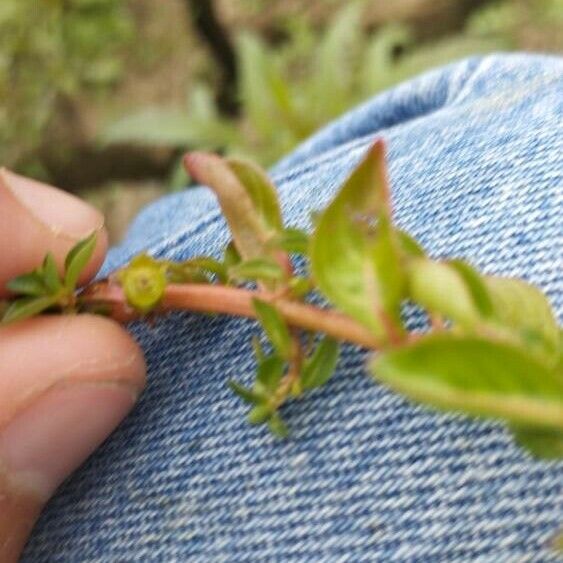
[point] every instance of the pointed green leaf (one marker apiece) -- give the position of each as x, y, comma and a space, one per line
318, 369
332, 75
210, 265
476, 376
544, 443
270, 373
390, 274
259, 353
354, 262
299, 286
231, 257
247, 395
184, 272
246, 197
292, 240
440, 288
253, 61
409, 245
523, 307
476, 285
28, 284
261, 269
278, 427
50, 274
275, 327
260, 189
27, 307
259, 414
77, 259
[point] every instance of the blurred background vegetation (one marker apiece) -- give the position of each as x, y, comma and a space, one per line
101, 97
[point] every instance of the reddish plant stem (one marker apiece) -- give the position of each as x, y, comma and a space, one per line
235, 301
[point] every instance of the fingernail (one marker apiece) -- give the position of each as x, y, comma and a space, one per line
60, 211
55, 434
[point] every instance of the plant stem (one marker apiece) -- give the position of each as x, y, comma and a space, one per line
235, 301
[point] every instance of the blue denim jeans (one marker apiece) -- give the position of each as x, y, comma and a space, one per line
476, 158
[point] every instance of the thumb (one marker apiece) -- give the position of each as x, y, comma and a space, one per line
65, 384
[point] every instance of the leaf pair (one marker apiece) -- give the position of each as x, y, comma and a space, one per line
43, 288
500, 362
318, 367
272, 386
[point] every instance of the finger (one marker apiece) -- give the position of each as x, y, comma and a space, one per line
36, 218
65, 384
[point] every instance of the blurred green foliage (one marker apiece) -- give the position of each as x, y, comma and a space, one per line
50, 48
288, 91
303, 76
506, 18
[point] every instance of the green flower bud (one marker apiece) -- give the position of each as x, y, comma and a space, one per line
144, 282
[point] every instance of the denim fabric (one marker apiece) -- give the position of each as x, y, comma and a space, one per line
476, 160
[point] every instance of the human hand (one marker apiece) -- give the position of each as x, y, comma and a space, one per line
65, 382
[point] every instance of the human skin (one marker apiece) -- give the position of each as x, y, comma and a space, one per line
65, 382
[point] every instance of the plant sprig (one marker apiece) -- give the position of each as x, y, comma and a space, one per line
44, 289
493, 349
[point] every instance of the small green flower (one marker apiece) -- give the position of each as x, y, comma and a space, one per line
144, 282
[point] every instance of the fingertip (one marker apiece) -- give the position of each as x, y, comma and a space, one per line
35, 219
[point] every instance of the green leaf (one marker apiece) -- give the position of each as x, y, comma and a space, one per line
270, 373
152, 126
27, 307
523, 307
231, 257
77, 259
476, 376
28, 284
50, 274
476, 286
246, 197
275, 327
259, 414
184, 272
210, 265
299, 286
333, 69
543, 443
380, 60
259, 353
356, 265
390, 275
292, 240
254, 82
277, 426
409, 245
319, 368
144, 282
260, 189
441, 288
263, 269
557, 543
247, 395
